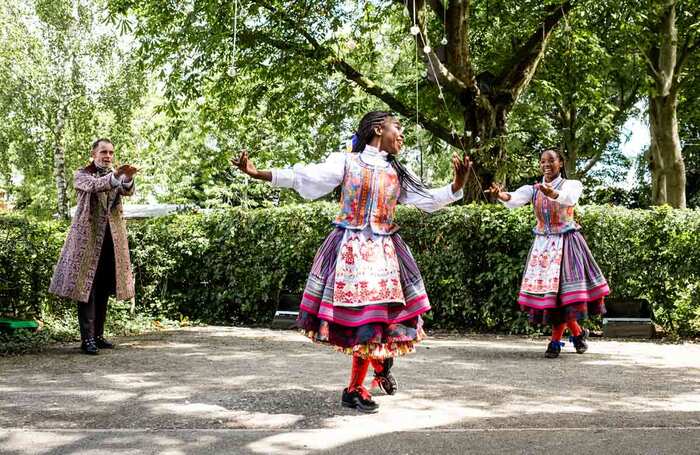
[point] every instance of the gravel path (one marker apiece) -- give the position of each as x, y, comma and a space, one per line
239, 390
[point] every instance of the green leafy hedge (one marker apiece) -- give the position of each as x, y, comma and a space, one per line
230, 266
28, 252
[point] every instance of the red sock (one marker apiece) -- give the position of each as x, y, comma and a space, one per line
575, 328
358, 372
377, 365
558, 331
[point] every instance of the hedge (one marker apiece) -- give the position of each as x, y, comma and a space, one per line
230, 266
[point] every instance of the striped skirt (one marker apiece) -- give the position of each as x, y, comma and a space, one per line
372, 329
582, 287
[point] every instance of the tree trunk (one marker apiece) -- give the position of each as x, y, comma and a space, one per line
59, 170
570, 143
666, 160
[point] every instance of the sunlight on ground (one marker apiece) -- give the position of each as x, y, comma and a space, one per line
41, 442
684, 355
288, 394
121, 442
133, 380
404, 415
231, 418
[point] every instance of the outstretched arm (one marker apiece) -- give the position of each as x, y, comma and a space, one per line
310, 181
567, 195
432, 200
247, 167
518, 198
84, 181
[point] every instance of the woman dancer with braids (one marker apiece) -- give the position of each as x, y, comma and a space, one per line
364, 295
562, 283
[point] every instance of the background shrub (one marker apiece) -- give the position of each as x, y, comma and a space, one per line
230, 266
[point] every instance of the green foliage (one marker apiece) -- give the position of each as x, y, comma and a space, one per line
230, 266
28, 252
23, 342
586, 89
66, 79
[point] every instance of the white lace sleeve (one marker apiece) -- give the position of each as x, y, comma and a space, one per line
519, 197
314, 180
569, 193
440, 198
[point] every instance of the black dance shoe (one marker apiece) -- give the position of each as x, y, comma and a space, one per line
553, 350
103, 344
355, 399
385, 380
580, 341
89, 346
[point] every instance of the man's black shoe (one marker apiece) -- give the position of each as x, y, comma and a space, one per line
103, 344
89, 346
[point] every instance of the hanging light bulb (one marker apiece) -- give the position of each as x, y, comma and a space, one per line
427, 49
415, 30
444, 41
232, 70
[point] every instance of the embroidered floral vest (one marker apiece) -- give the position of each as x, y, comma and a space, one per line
368, 197
552, 217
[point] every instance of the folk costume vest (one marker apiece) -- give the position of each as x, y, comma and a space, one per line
552, 217
369, 195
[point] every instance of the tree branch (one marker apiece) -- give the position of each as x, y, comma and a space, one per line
626, 103
435, 5
651, 66
685, 53
523, 64
592, 162
449, 80
438, 9
369, 86
395, 104
457, 31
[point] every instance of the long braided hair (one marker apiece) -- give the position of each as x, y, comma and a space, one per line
364, 135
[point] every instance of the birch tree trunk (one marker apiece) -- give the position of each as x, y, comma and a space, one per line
59, 168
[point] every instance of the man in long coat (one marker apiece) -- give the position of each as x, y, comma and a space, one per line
94, 261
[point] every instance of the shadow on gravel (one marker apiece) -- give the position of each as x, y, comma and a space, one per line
286, 391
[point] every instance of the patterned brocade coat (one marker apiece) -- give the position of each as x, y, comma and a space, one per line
98, 204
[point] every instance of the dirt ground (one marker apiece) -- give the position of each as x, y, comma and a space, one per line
240, 390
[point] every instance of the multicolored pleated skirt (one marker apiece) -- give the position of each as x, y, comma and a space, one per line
364, 295
562, 282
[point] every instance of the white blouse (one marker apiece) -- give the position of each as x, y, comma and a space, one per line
315, 180
569, 193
